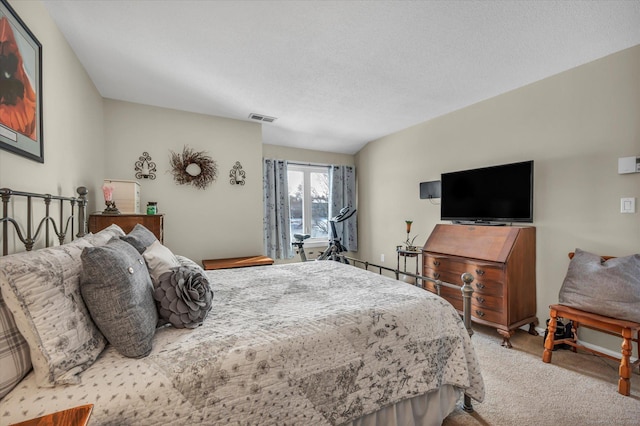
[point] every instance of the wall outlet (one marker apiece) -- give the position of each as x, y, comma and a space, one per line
382, 258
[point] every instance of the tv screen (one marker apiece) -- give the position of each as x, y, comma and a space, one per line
491, 194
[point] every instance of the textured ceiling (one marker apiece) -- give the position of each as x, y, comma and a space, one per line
336, 74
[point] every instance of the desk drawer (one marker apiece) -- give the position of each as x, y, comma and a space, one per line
480, 284
487, 309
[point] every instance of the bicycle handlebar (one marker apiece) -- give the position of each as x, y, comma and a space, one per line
342, 216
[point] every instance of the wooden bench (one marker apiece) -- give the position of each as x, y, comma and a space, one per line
236, 262
628, 330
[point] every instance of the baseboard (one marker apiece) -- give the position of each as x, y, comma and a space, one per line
541, 331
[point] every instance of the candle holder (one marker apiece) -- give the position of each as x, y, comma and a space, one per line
111, 208
107, 191
237, 175
145, 168
409, 241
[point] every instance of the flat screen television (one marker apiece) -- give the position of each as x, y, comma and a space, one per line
497, 194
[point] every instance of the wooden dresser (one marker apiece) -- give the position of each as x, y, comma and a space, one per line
126, 221
502, 260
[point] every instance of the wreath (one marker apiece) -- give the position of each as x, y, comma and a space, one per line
193, 168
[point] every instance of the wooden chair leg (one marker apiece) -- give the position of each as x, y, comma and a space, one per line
624, 383
549, 341
574, 330
638, 347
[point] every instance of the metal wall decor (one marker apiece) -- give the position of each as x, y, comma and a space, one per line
145, 168
237, 175
193, 168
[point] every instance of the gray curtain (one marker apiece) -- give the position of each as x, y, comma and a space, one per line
277, 242
342, 184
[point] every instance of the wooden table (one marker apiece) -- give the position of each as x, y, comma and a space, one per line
77, 416
236, 262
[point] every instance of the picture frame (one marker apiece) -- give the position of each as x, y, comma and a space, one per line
20, 87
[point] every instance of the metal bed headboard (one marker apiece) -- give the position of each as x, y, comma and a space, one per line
30, 236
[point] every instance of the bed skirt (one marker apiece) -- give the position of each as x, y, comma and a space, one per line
424, 410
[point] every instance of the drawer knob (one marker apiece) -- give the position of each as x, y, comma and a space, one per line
479, 272
436, 275
480, 299
479, 313
436, 263
479, 285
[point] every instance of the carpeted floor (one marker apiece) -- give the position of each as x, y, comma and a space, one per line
575, 389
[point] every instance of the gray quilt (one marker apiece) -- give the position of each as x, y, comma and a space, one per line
318, 341
309, 343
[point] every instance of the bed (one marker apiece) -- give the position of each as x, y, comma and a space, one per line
298, 344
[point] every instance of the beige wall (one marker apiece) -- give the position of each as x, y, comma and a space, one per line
72, 114
574, 126
222, 220
306, 155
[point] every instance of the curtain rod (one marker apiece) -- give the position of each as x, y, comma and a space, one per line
302, 163
299, 163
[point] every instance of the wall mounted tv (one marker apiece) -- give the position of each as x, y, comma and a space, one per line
497, 194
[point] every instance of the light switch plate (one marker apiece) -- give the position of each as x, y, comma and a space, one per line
628, 205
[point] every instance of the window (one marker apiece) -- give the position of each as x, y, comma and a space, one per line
309, 201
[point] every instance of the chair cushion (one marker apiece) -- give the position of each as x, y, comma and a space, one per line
610, 288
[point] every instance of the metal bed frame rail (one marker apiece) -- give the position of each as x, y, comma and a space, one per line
466, 289
60, 228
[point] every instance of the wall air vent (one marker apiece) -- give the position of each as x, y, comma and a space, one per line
260, 117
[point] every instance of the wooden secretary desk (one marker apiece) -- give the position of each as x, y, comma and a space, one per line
126, 221
502, 259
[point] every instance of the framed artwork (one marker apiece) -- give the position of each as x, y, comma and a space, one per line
20, 87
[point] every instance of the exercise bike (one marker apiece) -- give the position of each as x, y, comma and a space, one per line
335, 246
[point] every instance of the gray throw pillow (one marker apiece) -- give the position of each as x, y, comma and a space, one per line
610, 288
118, 292
184, 296
140, 237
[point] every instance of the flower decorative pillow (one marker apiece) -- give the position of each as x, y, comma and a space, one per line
183, 296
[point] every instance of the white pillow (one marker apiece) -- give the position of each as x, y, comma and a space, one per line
42, 290
102, 237
159, 260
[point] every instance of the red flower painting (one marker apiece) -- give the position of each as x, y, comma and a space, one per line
17, 97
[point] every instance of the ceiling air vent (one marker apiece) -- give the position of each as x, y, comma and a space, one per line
260, 117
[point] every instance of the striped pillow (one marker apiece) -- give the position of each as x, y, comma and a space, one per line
15, 361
